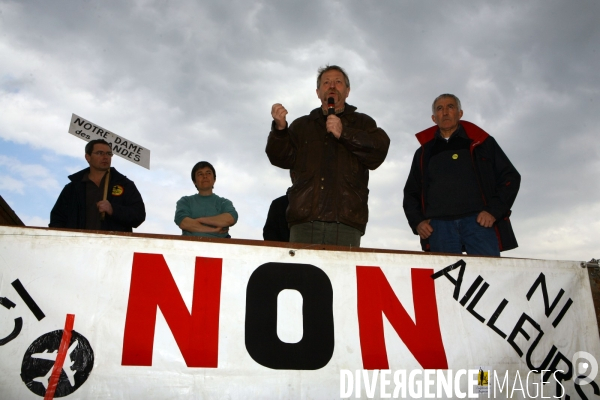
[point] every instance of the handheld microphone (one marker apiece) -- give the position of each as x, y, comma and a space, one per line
330, 106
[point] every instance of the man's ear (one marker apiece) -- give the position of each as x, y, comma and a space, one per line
460, 114
433, 119
87, 157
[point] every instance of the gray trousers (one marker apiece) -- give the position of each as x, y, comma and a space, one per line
318, 232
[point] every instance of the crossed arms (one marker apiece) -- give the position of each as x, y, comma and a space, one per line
215, 224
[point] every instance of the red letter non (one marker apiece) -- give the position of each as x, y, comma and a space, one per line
422, 337
152, 286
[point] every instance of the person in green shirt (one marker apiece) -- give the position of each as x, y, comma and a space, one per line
205, 213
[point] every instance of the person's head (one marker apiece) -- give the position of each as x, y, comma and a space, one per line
98, 154
204, 176
446, 96
446, 112
333, 81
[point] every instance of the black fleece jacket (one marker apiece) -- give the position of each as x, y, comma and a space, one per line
128, 207
497, 178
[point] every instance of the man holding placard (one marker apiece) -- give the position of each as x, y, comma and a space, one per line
99, 197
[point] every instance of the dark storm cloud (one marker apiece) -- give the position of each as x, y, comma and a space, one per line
196, 79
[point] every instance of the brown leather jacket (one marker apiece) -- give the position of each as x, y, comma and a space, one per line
331, 175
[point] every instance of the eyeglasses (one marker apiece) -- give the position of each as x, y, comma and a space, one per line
103, 153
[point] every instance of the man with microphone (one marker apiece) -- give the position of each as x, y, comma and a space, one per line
330, 151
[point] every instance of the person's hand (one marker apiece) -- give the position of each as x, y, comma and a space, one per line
334, 125
213, 228
104, 206
485, 219
217, 229
278, 112
424, 229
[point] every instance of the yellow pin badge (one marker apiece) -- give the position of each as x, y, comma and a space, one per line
117, 190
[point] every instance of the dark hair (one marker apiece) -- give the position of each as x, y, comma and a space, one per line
326, 68
200, 165
89, 147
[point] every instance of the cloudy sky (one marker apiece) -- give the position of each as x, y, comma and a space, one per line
195, 80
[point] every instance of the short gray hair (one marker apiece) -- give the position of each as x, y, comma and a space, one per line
443, 96
326, 68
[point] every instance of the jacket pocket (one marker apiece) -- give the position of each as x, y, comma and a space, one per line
354, 197
300, 197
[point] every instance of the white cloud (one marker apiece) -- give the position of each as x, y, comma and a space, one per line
34, 220
31, 175
10, 184
196, 81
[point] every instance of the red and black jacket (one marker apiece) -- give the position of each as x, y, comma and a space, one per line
498, 180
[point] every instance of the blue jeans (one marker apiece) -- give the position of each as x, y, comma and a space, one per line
451, 236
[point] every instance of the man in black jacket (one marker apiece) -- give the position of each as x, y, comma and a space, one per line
81, 204
276, 226
461, 186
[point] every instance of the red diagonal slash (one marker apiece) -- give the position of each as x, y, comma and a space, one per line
60, 357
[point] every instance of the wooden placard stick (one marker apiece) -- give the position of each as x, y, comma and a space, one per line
106, 179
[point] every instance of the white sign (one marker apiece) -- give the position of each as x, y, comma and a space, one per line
86, 130
109, 316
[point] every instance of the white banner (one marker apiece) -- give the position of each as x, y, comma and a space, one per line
124, 148
79, 319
